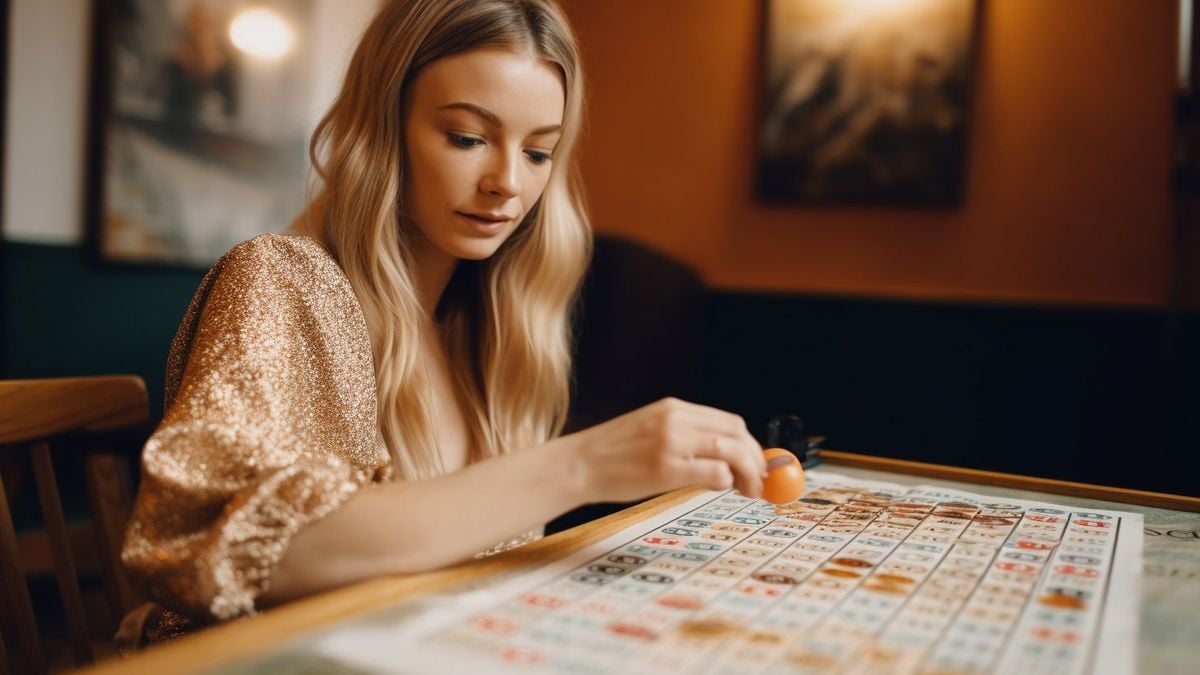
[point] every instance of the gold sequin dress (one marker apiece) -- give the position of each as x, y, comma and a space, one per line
270, 424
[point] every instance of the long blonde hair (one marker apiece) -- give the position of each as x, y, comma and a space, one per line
505, 320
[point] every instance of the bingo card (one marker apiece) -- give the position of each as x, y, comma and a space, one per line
855, 577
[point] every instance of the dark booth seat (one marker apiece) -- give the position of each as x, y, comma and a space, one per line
637, 328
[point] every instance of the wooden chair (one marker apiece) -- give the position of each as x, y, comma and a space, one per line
108, 416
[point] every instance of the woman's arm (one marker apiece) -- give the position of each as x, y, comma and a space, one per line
255, 443
422, 525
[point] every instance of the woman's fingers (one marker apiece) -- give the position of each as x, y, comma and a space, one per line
670, 444
730, 440
713, 474
728, 424
736, 455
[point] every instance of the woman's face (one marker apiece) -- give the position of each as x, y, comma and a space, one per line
480, 132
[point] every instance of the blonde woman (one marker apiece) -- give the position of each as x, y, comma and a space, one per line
382, 390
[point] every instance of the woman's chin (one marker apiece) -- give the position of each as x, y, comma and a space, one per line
479, 249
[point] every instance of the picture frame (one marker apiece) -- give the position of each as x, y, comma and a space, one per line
201, 112
865, 101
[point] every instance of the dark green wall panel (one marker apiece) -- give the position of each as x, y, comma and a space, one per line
65, 314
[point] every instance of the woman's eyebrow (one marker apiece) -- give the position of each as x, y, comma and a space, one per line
493, 119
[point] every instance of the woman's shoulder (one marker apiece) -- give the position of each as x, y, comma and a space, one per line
279, 254
271, 262
277, 274
269, 291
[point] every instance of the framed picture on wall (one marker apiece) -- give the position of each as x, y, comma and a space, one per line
201, 115
865, 101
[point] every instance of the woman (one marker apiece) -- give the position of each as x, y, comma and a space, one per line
382, 391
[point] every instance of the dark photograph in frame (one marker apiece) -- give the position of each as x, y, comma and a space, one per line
201, 111
865, 101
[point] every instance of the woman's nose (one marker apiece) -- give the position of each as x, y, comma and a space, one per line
502, 179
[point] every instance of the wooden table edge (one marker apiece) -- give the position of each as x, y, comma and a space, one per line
1053, 486
227, 643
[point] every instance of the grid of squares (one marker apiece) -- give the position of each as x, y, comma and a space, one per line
846, 579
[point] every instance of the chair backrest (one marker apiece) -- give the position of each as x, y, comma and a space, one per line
107, 416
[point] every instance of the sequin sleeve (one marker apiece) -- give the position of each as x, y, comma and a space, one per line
270, 424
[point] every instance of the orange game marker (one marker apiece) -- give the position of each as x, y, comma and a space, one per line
785, 477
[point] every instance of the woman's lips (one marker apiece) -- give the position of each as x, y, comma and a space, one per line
486, 223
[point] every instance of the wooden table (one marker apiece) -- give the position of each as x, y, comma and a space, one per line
1166, 644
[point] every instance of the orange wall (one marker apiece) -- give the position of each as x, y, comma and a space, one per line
1068, 196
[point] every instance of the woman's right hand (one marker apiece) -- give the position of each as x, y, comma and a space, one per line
663, 446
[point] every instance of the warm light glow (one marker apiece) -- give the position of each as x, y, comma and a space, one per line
262, 33
881, 4
899, 7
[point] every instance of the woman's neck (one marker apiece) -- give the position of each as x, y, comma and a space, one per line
310, 222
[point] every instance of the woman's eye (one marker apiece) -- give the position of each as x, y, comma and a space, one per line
538, 157
464, 141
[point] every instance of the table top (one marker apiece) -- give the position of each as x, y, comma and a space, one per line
1169, 639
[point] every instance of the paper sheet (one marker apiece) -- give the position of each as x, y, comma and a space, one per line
858, 577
